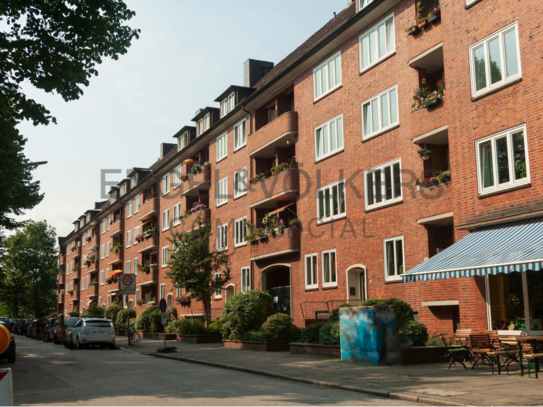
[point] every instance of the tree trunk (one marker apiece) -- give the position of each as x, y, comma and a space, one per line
207, 310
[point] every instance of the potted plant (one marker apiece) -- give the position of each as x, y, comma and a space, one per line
441, 87
434, 15
444, 177
425, 154
184, 177
411, 30
140, 302
423, 22
294, 223
116, 247
417, 184
89, 239
419, 95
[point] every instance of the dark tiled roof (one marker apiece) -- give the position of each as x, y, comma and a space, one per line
159, 162
314, 40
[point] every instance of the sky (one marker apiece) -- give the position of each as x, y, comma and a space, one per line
188, 53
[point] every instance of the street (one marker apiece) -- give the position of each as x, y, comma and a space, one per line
49, 374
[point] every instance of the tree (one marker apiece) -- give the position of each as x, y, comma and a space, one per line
28, 276
197, 268
54, 45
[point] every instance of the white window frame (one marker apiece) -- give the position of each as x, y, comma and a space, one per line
165, 255
177, 176
323, 68
176, 219
135, 265
505, 80
103, 252
162, 291
396, 277
364, 3
207, 122
512, 182
136, 204
219, 295
128, 238
237, 134
331, 283
224, 107
328, 126
183, 141
231, 101
367, 35
108, 248
390, 125
312, 284
108, 223
332, 217
220, 199
103, 226
102, 278
166, 184
128, 209
243, 226
135, 234
381, 168
221, 145
127, 267
245, 277
222, 236
238, 181
166, 222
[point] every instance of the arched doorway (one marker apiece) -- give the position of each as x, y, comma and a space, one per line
229, 291
130, 304
169, 300
357, 283
276, 281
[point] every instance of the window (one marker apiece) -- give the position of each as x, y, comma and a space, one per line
162, 291
383, 185
165, 256
166, 219
218, 291
99, 300
495, 61
102, 277
207, 121
377, 43
136, 233
84, 238
380, 113
177, 176
502, 160
240, 135
329, 138
166, 184
311, 269
245, 279
240, 182
468, 2
183, 141
222, 149
178, 291
103, 226
224, 107
136, 263
108, 249
137, 296
107, 301
394, 260
108, 222
231, 101
177, 214
136, 203
128, 238
327, 76
331, 201
127, 267
129, 209
134, 181
329, 268
365, 3
240, 231
222, 191
222, 237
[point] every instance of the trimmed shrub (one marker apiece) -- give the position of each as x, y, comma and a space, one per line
245, 312
112, 311
311, 333
329, 333
404, 312
151, 315
74, 313
296, 334
122, 317
96, 310
279, 327
256, 336
335, 313
416, 332
186, 326
215, 328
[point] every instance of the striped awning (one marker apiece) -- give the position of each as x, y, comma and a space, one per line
505, 248
114, 273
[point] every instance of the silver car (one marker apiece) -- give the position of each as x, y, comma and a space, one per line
92, 331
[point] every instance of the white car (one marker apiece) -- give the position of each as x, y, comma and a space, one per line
92, 331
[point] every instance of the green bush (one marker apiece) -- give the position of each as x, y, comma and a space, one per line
122, 317
96, 310
335, 313
74, 313
112, 311
216, 328
329, 333
186, 326
296, 334
279, 327
256, 336
404, 312
152, 315
311, 333
245, 312
416, 332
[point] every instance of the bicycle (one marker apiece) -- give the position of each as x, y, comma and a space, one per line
134, 336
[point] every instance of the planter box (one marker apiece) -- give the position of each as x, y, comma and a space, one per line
259, 346
431, 102
199, 338
424, 354
315, 349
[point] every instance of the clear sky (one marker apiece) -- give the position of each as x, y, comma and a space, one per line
188, 53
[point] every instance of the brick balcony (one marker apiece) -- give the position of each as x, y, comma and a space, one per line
92, 243
62, 260
115, 258
196, 182
93, 290
283, 186
76, 252
149, 243
189, 223
114, 287
281, 244
148, 210
61, 279
147, 279
424, 120
116, 229
284, 126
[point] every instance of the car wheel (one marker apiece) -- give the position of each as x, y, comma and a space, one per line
111, 346
12, 358
55, 340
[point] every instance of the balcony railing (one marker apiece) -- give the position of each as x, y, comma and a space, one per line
148, 277
190, 222
284, 126
278, 245
62, 260
148, 243
198, 180
115, 257
280, 187
116, 228
76, 252
148, 210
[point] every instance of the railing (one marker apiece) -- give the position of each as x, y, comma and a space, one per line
283, 243
115, 228
284, 125
323, 309
200, 313
190, 222
281, 186
148, 209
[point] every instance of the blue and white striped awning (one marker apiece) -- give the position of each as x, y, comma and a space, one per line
516, 246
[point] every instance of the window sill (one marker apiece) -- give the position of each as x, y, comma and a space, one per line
221, 159
240, 196
219, 205
384, 206
393, 281
321, 159
369, 68
490, 92
321, 97
368, 138
324, 222
472, 4
240, 245
330, 288
311, 289
504, 190
174, 188
240, 147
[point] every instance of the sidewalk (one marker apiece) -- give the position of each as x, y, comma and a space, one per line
429, 384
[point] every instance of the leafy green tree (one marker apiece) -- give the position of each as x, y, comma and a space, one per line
28, 276
198, 267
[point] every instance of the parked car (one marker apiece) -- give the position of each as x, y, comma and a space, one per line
9, 353
62, 327
92, 331
49, 334
47, 324
21, 326
3, 319
30, 328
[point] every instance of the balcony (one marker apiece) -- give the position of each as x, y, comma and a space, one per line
282, 244
76, 252
92, 242
196, 181
148, 277
114, 287
61, 279
93, 290
149, 243
116, 229
62, 260
149, 210
115, 257
189, 223
277, 133
281, 187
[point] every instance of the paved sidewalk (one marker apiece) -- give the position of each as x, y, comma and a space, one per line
429, 384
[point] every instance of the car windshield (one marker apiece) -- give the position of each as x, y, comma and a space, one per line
71, 322
98, 324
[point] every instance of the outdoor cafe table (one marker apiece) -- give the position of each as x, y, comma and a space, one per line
521, 339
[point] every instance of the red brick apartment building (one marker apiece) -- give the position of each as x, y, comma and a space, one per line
341, 105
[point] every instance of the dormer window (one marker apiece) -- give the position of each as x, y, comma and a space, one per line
200, 127
88, 217
365, 3
224, 107
134, 180
207, 121
231, 101
183, 140
228, 104
112, 196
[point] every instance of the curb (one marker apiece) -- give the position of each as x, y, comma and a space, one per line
373, 392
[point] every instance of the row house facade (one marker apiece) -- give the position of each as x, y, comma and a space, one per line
327, 149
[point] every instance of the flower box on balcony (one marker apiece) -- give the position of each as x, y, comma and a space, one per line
431, 102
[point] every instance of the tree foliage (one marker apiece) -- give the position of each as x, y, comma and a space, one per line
28, 276
245, 312
197, 267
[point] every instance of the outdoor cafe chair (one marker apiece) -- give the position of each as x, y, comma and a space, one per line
459, 355
531, 358
482, 350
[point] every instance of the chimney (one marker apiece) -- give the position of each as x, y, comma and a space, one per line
254, 71
165, 149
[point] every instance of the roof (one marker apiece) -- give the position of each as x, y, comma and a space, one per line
311, 43
230, 90
183, 129
168, 155
202, 112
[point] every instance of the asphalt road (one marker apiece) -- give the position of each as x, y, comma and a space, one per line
51, 374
